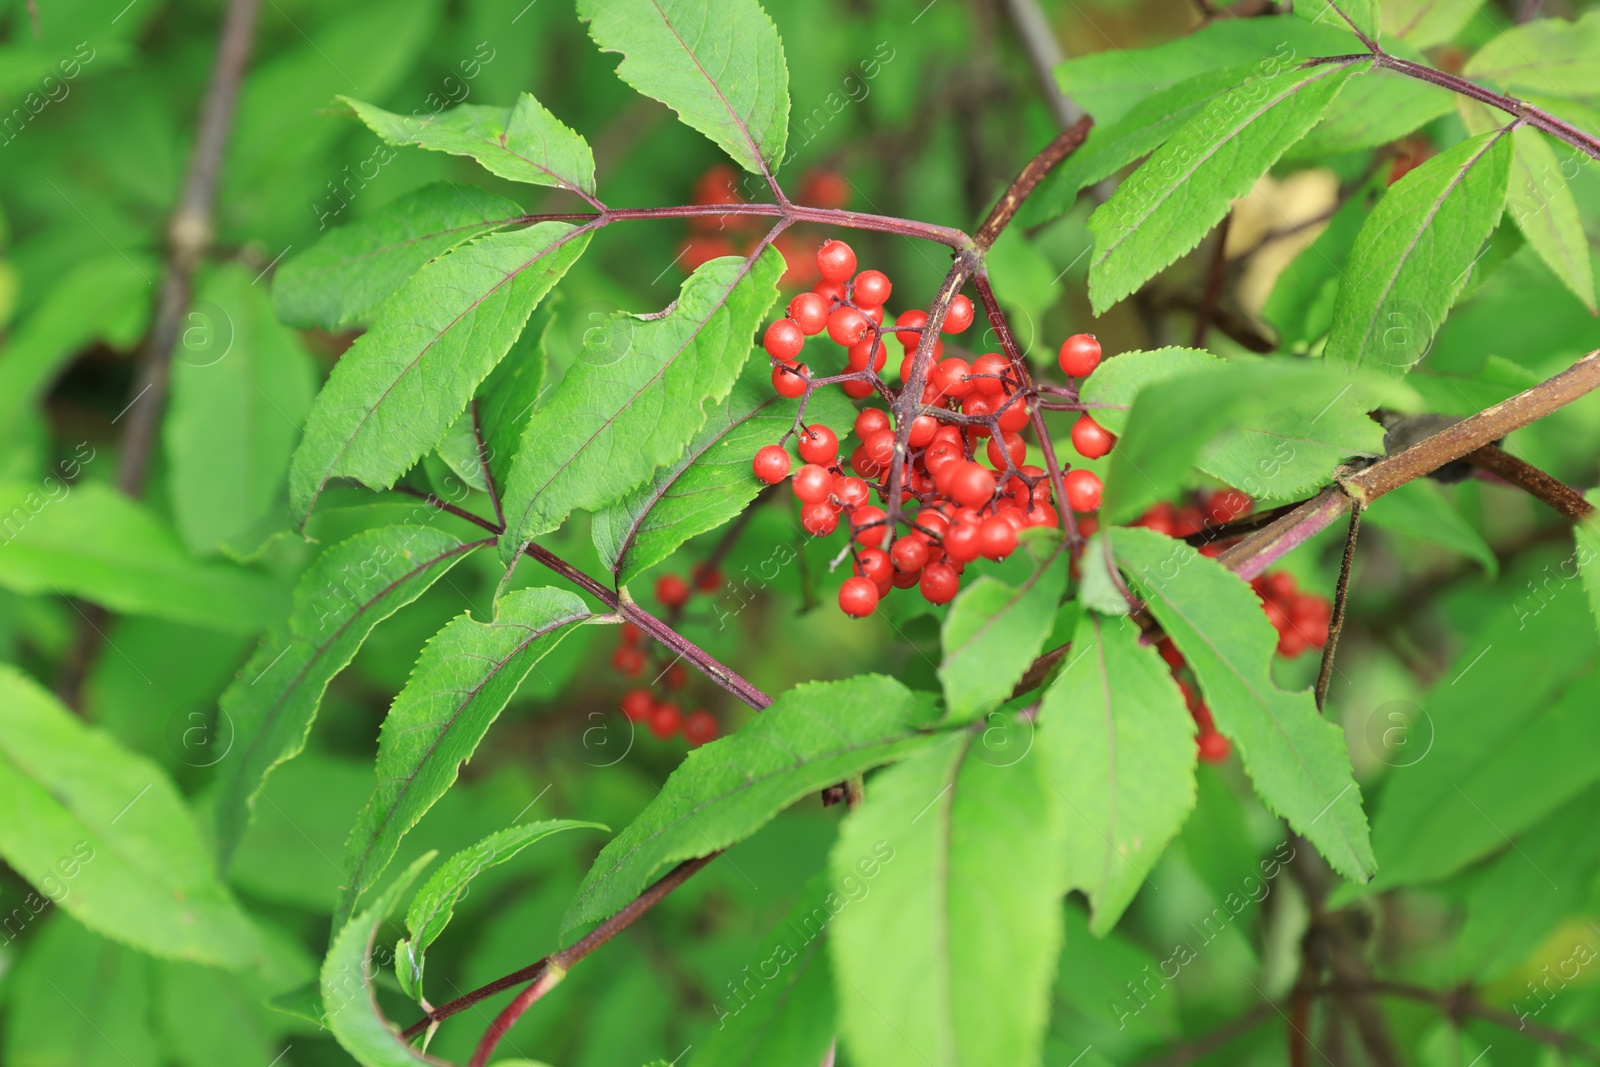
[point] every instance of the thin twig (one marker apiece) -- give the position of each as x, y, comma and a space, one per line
1526, 476
1340, 595
1044, 56
1214, 278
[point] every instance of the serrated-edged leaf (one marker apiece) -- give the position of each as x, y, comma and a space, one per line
349, 1003
711, 482
1110, 148
1414, 253
1420, 510
88, 540
235, 413
1272, 428
459, 451
789, 1020
1184, 189
461, 682
344, 277
1587, 554
434, 904
1296, 758
1541, 203
105, 835
393, 395
718, 63
636, 397
1504, 737
523, 142
1549, 56
350, 588
1374, 109
1425, 23
1360, 15
1119, 752
1300, 307
950, 957
809, 738
993, 631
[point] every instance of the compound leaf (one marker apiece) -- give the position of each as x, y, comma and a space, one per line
811, 737
393, 395
1295, 757
342, 596
460, 684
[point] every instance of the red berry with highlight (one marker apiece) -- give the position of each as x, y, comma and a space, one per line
939, 583
813, 483
672, 591
846, 325
971, 485
809, 311
1214, 748
819, 444
1083, 490
783, 340
874, 563
959, 317
858, 597
665, 718
1080, 355
1091, 439
836, 261
871, 288
789, 380
771, 464
819, 520
990, 363
909, 554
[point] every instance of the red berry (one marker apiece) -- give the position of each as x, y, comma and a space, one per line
1160, 518
628, 660
1013, 416
874, 563
672, 591
1228, 504
923, 427
1312, 616
819, 444
819, 520
980, 406
875, 528
858, 597
824, 188
1170, 654
783, 340
706, 579
637, 704
1290, 642
809, 312
771, 464
846, 325
832, 292
676, 676
869, 421
1042, 514
836, 261
852, 492
909, 554
789, 380
813, 483
997, 538
700, 249
665, 718
630, 634
1091, 439
1080, 355
699, 728
871, 288
915, 320
1083, 490
990, 363
961, 542
971, 485
959, 317
879, 448
868, 348
940, 583
1213, 746
1007, 442
951, 377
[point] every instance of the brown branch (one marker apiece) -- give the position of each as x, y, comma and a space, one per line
1456, 1004
1044, 56
1212, 293
1340, 596
1259, 551
1033, 172
1526, 476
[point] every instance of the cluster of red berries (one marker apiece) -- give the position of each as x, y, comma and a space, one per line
966, 509
1301, 619
713, 236
639, 704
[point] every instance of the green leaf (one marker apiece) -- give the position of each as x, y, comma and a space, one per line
1300, 307
1361, 15
993, 632
949, 958
340, 598
434, 905
811, 737
238, 399
1184, 189
1549, 56
1425, 23
524, 142
1506, 736
88, 540
1374, 109
789, 1020
1111, 147
507, 398
105, 835
343, 278
68, 975
1296, 759
1587, 554
349, 1002
711, 482
1273, 428
719, 65
636, 397
1420, 510
1118, 745
1413, 255
1541, 203
393, 395
462, 681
